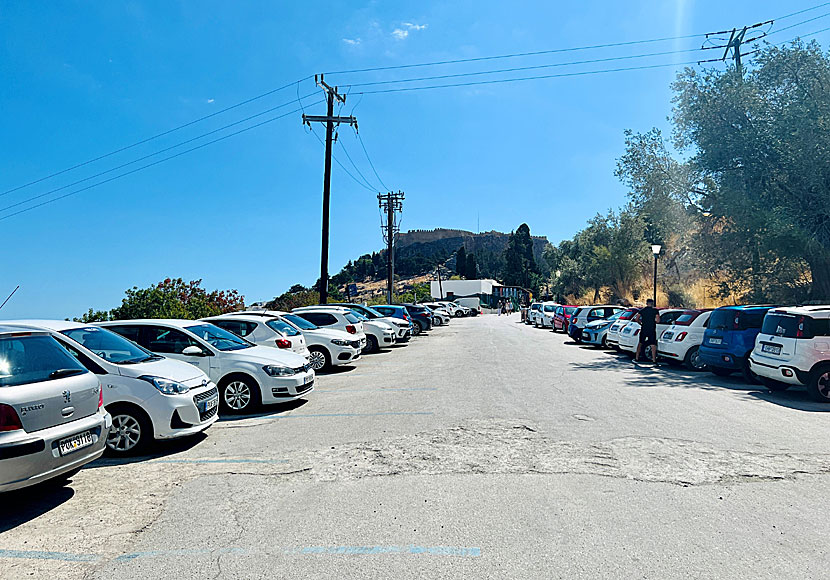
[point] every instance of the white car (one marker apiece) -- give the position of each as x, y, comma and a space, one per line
148, 396
246, 374
612, 335
52, 416
545, 316
595, 332
630, 334
335, 317
793, 348
327, 347
264, 330
403, 328
440, 315
533, 311
681, 342
455, 310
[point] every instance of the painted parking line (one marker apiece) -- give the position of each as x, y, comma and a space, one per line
183, 552
41, 555
383, 414
380, 389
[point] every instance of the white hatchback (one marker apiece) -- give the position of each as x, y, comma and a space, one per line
612, 335
793, 348
681, 342
630, 334
264, 330
334, 317
245, 374
149, 397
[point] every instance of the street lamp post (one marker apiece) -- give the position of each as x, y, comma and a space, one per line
655, 249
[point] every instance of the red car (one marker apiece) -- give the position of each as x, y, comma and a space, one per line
562, 317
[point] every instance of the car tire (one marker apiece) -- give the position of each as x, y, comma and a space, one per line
819, 385
416, 329
773, 385
131, 431
371, 344
747, 374
692, 361
458, 314
319, 358
603, 344
720, 371
238, 394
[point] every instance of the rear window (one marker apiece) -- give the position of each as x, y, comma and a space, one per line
300, 322
794, 326
569, 310
723, 319
549, 307
34, 359
628, 314
354, 319
669, 317
282, 327
687, 318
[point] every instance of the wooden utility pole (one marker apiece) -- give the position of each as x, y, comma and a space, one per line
330, 120
736, 40
392, 204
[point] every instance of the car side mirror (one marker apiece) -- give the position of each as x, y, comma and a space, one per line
193, 351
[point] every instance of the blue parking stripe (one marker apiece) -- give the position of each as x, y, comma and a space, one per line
314, 415
347, 390
42, 555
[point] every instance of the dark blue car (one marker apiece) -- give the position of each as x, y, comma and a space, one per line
730, 338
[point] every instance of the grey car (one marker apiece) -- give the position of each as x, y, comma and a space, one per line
52, 416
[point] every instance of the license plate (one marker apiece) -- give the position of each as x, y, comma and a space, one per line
771, 348
667, 335
75, 442
308, 379
715, 341
210, 404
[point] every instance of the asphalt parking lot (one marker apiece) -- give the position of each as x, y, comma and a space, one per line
488, 449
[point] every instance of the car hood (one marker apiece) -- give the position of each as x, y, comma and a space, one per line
331, 333
165, 368
379, 324
266, 355
395, 321
598, 323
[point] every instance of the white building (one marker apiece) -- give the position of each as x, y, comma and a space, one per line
452, 289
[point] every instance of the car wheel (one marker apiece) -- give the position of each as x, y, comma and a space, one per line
458, 314
747, 373
720, 371
238, 394
819, 385
773, 385
371, 344
416, 329
131, 431
318, 358
604, 343
693, 361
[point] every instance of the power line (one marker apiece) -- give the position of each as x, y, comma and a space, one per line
825, 15
137, 169
343, 167
791, 14
349, 157
156, 136
369, 159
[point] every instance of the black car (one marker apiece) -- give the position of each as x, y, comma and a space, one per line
421, 317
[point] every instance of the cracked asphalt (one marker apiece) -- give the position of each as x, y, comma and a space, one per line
488, 449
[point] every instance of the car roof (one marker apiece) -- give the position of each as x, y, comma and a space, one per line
8, 329
244, 317
821, 309
177, 322
341, 309
747, 307
56, 325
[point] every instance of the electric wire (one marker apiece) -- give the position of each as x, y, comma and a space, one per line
369, 159
349, 157
343, 167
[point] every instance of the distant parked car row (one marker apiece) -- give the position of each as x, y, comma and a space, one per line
777, 346
70, 391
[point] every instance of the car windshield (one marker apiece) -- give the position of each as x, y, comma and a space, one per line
354, 317
300, 322
550, 307
34, 359
110, 346
614, 316
628, 314
687, 318
282, 327
219, 338
785, 325
723, 318
569, 310
370, 312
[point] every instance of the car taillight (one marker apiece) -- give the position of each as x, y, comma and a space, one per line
800, 332
9, 421
681, 336
283, 343
636, 332
100, 396
351, 329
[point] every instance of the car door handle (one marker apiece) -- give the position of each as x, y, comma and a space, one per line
67, 411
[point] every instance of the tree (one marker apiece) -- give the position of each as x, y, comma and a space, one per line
471, 269
461, 262
763, 146
171, 298
520, 265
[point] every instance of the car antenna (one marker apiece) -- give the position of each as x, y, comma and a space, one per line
9, 297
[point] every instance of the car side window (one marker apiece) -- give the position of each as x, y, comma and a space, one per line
319, 318
168, 340
129, 332
596, 313
234, 326
90, 364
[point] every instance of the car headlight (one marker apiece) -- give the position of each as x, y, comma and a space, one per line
278, 371
339, 342
166, 386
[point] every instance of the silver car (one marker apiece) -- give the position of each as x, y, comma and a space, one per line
52, 417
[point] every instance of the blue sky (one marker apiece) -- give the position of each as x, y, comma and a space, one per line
80, 79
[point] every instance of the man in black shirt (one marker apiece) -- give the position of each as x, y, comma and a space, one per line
649, 317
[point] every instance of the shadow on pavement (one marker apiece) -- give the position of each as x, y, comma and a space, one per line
157, 450
27, 504
338, 370
265, 411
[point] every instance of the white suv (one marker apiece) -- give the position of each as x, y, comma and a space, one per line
532, 312
544, 318
399, 325
149, 397
263, 330
793, 348
327, 347
681, 342
337, 318
246, 374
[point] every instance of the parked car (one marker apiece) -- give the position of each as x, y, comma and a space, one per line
401, 326
421, 318
562, 317
612, 335
581, 316
545, 317
246, 374
378, 334
395, 311
264, 330
148, 396
680, 344
534, 310
440, 315
327, 347
472, 303
337, 319
456, 310
793, 348
730, 338
52, 416
595, 332
630, 333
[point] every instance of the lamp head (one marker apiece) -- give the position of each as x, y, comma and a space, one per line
655, 249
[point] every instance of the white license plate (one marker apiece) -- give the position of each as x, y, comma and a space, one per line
308, 379
79, 441
211, 404
715, 341
771, 348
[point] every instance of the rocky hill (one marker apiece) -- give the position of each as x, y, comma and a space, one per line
430, 242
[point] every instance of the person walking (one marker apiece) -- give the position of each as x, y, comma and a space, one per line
649, 318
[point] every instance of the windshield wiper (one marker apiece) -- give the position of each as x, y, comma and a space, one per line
60, 373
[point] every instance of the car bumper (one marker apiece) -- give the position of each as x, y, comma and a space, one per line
593, 336
671, 351
776, 372
628, 343
720, 359
186, 414
29, 459
283, 389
